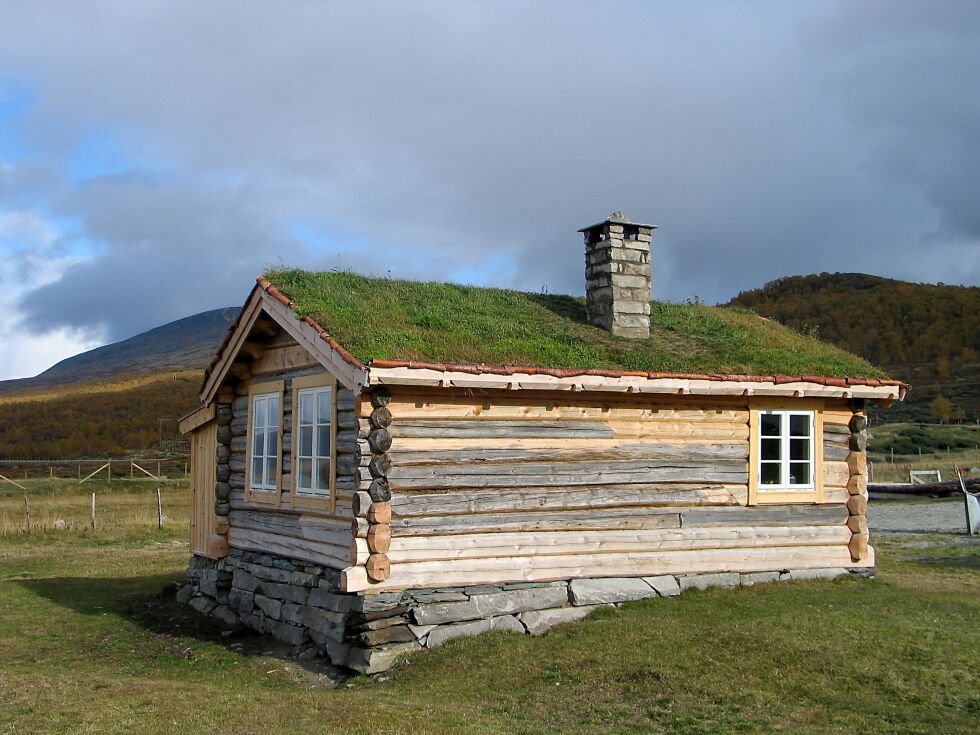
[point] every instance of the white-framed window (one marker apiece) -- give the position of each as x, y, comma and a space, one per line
264, 446
786, 451
313, 414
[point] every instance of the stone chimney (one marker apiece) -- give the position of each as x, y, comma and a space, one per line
617, 275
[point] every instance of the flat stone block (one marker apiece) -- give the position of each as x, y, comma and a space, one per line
244, 581
294, 635
539, 621
704, 581
823, 573
203, 604
226, 616
272, 608
444, 633
184, 594
752, 578
665, 585
490, 605
241, 600
328, 600
376, 660
284, 592
617, 589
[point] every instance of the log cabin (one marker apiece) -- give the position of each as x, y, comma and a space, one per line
380, 466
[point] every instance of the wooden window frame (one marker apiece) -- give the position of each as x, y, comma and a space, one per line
266, 497
310, 501
757, 494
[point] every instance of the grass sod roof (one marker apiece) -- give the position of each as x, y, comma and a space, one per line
386, 319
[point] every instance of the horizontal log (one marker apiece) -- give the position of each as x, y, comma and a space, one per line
407, 445
774, 515
377, 567
588, 453
379, 538
317, 528
595, 519
337, 557
379, 513
835, 452
535, 499
612, 408
840, 429
461, 429
836, 473
488, 545
548, 568
567, 474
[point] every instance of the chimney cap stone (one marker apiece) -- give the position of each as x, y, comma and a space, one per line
617, 218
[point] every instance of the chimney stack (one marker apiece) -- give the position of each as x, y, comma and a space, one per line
617, 275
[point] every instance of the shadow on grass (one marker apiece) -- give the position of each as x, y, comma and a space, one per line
149, 603
567, 307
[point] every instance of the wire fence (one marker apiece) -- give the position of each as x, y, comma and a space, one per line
95, 471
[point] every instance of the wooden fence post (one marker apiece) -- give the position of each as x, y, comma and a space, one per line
93, 511
159, 510
27, 513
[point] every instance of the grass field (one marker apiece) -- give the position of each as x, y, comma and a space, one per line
89, 645
895, 448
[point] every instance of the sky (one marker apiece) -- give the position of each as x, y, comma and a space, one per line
155, 157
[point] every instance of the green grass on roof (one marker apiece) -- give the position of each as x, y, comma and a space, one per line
379, 318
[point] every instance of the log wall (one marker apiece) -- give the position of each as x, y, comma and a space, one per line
498, 488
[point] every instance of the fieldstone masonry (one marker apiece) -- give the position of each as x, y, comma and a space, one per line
300, 604
617, 276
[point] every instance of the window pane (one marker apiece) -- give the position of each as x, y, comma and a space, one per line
273, 411
306, 441
257, 478
770, 448
770, 424
323, 441
305, 407
770, 473
323, 406
799, 426
799, 449
323, 474
305, 481
258, 412
258, 442
272, 442
799, 473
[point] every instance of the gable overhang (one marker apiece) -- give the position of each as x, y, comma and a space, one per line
268, 300
505, 377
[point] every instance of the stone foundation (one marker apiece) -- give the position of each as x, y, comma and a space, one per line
301, 604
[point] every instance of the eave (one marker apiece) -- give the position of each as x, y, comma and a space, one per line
507, 377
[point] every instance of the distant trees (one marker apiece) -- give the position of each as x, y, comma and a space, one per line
941, 409
112, 422
923, 333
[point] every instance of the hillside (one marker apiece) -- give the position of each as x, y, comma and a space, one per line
114, 399
186, 344
925, 334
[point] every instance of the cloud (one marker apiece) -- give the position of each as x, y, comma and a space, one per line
188, 146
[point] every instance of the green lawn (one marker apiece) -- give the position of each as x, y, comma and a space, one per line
89, 645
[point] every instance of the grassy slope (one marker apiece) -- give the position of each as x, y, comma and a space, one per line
88, 646
389, 319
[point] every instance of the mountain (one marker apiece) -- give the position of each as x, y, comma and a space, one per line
114, 399
186, 344
925, 334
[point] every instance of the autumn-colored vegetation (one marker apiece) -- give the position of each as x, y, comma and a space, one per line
926, 334
96, 419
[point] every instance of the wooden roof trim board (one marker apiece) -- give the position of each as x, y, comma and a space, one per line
196, 419
314, 338
392, 372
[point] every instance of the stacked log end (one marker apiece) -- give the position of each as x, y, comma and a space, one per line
372, 502
218, 543
857, 486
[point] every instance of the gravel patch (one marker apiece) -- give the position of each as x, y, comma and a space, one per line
918, 516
